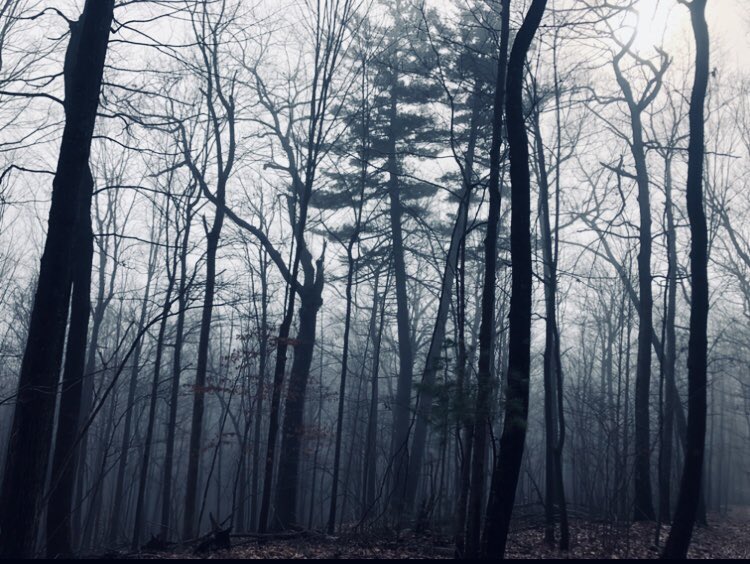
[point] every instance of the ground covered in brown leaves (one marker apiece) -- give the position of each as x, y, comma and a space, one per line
727, 537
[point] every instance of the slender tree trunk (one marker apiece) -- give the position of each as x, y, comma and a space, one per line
118, 495
465, 428
282, 345
371, 455
196, 429
171, 429
263, 359
670, 355
142, 483
687, 501
485, 373
643, 501
552, 495
342, 385
402, 403
513, 438
33, 419
432, 364
102, 301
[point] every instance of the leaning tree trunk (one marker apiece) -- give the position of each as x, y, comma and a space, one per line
432, 364
487, 327
62, 481
32, 427
687, 501
513, 438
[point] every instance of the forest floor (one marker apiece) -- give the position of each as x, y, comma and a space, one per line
728, 536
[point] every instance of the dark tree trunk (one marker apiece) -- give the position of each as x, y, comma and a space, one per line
282, 345
293, 425
402, 401
142, 482
485, 374
687, 501
432, 364
196, 429
670, 354
60, 505
118, 495
32, 427
643, 509
512, 440
371, 455
182, 299
465, 427
554, 494
263, 360
342, 385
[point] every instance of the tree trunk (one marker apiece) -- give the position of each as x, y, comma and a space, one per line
553, 463
342, 386
118, 495
171, 429
263, 359
60, 505
140, 500
512, 440
485, 373
371, 454
670, 354
282, 345
643, 502
465, 427
432, 364
31, 431
196, 429
687, 501
293, 425
402, 401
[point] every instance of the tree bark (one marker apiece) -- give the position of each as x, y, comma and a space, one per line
402, 401
32, 427
145, 459
432, 364
196, 428
485, 373
371, 455
118, 495
512, 440
342, 384
182, 299
60, 504
670, 354
293, 425
687, 501
554, 494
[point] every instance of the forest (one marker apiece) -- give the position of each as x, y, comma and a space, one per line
374, 279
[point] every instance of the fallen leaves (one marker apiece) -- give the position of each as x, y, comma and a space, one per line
727, 537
